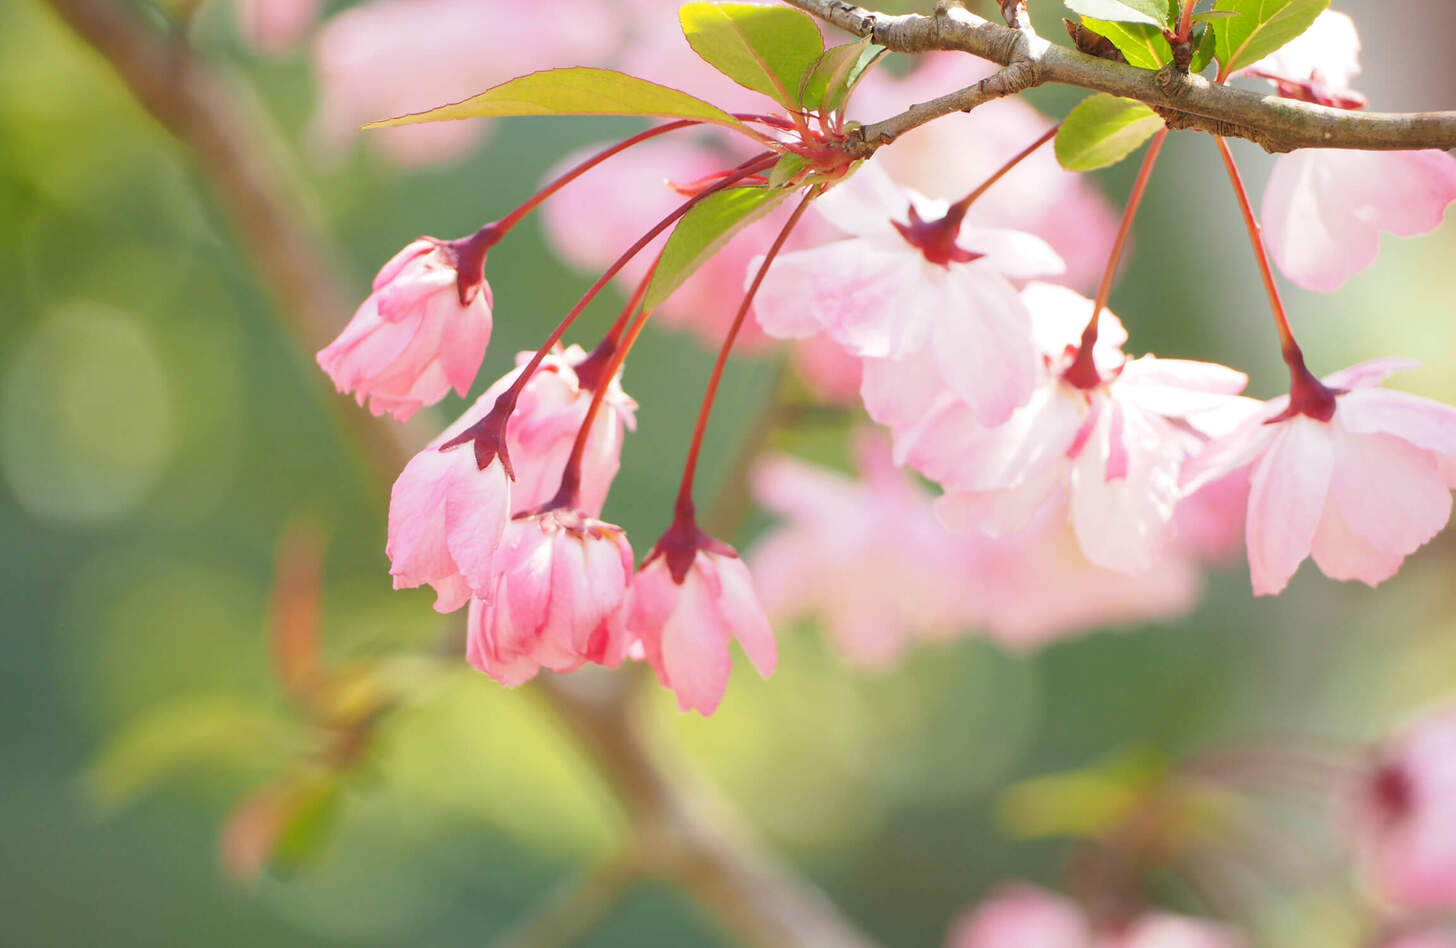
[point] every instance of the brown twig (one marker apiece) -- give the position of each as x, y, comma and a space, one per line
678, 833
1275, 123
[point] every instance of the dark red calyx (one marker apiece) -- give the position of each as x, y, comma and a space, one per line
1082, 373
937, 239
589, 370
1393, 792
680, 543
489, 436
468, 256
1308, 396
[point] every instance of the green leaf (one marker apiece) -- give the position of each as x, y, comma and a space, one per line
765, 48
829, 82
1203, 51
1208, 16
1261, 27
190, 733
702, 231
1103, 130
1141, 45
1151, 12
785, 170
314, 805
579, 90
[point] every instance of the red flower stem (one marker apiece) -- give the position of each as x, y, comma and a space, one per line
1256, 238
507, 400
1185, 25
960, 207
1083, 371
685, 512
514, 217
568, 495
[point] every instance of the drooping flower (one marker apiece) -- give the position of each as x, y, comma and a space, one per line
1401, 814
447, 515
914, 283
1038, 196
692, 596
558, 599
1023, 916
1324, 209
1359, 478
1115, 444
422, 331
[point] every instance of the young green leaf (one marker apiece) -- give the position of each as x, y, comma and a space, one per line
576, 91
1203, 50
1102, 131
705, 229
764, 48
829, 82
1141, 45
1261, 27
1151, 12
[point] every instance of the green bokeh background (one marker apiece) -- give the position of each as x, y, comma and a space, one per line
158, 429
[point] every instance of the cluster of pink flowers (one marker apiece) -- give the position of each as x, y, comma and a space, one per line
1080, 485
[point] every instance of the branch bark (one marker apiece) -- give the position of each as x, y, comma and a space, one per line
679, 834
1275, 123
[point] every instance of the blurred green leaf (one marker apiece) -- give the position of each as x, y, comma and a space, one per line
768, 49
578, 90
1151, 12
312, 811
1260, 28
192, 732
1083, 803
703, 230
1103, 130
830, 81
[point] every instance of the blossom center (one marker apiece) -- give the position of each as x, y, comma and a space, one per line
936, 239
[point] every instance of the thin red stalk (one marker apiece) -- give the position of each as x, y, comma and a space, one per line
960, 207
690, 467
514, 217
1084, 370
567, 494
1185, 25
614, 335
1256, 238
508, 398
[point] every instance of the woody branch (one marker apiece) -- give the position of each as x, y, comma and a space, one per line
1190, 101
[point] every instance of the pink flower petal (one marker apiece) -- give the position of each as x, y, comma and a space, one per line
1389, 491
1286, 499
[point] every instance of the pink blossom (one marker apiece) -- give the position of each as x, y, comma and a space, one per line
688, 601
1402, 814
413, 339
1116, 448
275, 26
1038, 196
447, 516
1359, 491
1431, 938
1023, 916
913, 285
391, 57
1324, 210
557, 601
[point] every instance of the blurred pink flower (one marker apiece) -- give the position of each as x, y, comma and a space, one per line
446, 516
686, 609
1401, 814
1023, 916
1324, 210
870, 558
413, 339
914, 288
392, 57
1432, 938
1116, 449
275, 26
557, 601
1038, 196
1359, 491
